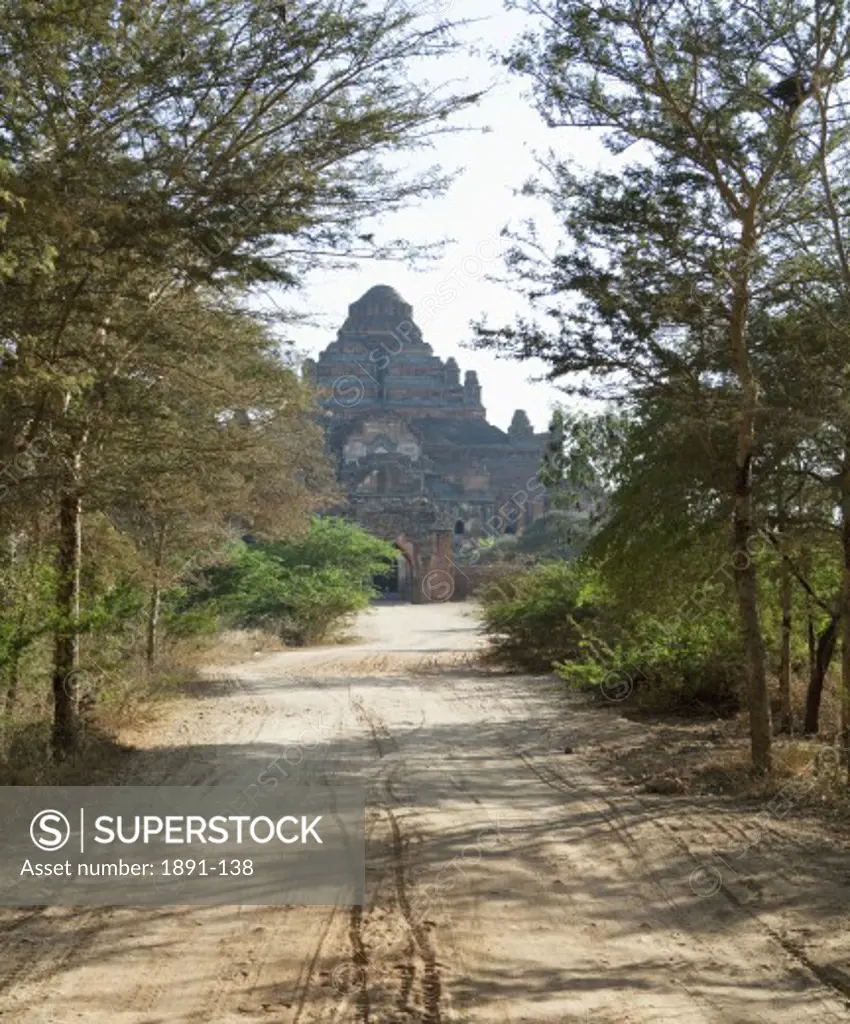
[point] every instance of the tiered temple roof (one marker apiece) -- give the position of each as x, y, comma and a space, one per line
404, 428
380, 357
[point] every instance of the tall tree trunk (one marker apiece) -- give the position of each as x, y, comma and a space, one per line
66, 649
153, 620
155, 602
786, 600
838, 233
811, 642
742, 516
823, 656
845, 608
811, 638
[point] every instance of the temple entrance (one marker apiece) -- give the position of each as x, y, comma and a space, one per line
388, 582
404, 575
397, 581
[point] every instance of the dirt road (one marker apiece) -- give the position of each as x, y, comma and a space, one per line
507, 880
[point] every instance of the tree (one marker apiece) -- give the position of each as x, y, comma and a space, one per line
154, 150
183, 461
300, 588
690, 230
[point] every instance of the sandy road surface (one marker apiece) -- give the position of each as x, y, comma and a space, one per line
506, 880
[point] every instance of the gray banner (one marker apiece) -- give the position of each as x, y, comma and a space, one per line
291, 844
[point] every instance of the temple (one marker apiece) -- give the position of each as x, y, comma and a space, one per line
419, 461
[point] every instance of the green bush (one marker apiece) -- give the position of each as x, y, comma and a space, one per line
188, 623
672, 665
561, 616
299, 589
540, 617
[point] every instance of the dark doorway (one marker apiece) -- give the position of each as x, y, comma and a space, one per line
459, 528
387, 582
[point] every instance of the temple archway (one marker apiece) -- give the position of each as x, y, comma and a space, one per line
405, 564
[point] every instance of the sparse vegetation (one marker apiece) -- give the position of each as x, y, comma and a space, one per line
158, 164
702, 281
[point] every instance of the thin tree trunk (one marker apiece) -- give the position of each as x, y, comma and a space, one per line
155, 603
153, 620
811, 640
66, 651
742, 517
820, 666
836, 222
786, 600
845, 609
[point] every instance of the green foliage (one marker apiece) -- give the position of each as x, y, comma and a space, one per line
539, 617
673, 665
300, 589
26, 613
559, 535
181, 621
334, 543
702, 281
565, 617
158, 163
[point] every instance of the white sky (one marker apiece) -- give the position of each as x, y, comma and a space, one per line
475, 209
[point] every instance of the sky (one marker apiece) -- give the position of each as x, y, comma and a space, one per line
494, 165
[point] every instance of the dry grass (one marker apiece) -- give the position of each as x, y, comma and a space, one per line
830, 708
228, 648
435, 664
126, 700
712, 758
26, 757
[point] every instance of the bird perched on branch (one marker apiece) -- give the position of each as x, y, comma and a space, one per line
791, 91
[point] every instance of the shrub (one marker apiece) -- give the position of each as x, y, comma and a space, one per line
543, 616
561, 616
674, 666
300, 589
